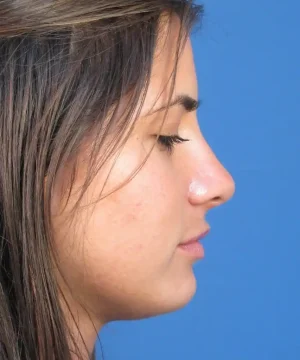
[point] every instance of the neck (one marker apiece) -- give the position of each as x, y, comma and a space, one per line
83, 329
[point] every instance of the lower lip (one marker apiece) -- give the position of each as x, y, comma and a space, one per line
194, 249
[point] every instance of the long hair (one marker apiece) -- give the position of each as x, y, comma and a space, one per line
64, 68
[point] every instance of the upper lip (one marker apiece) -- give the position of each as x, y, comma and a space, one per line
197, 237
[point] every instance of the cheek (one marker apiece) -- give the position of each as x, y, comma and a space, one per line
142, 211
127, 239
139, 223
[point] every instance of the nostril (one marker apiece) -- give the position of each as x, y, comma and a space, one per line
216, 201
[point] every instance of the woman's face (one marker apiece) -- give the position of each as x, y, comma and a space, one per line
121, 257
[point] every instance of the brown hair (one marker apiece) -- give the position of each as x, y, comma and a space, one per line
64, 67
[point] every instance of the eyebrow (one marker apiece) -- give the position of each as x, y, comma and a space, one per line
187, 102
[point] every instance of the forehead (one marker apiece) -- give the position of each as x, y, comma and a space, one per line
164, 63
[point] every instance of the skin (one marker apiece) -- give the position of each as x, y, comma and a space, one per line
121, 259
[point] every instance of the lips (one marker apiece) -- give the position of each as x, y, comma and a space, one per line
196, 238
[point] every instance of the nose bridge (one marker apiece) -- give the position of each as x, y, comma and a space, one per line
211, 184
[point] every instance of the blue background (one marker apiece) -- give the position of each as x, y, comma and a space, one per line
248, 286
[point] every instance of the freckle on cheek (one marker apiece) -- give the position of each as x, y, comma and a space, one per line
132, 214
139, 247
128, 218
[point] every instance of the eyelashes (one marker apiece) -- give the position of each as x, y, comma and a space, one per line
169, 142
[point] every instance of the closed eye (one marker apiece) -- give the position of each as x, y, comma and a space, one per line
169, 142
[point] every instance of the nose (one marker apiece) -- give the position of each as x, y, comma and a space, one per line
211, 184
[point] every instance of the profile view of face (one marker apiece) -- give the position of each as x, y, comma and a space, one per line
121, 259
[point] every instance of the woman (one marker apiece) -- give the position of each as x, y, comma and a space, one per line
104, 171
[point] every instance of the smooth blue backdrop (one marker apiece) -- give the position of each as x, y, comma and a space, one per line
247, 302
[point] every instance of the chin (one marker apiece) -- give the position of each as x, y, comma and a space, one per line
183, 294
168, 300
158, 303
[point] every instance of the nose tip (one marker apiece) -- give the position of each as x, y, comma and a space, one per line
224, 191
213, 189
